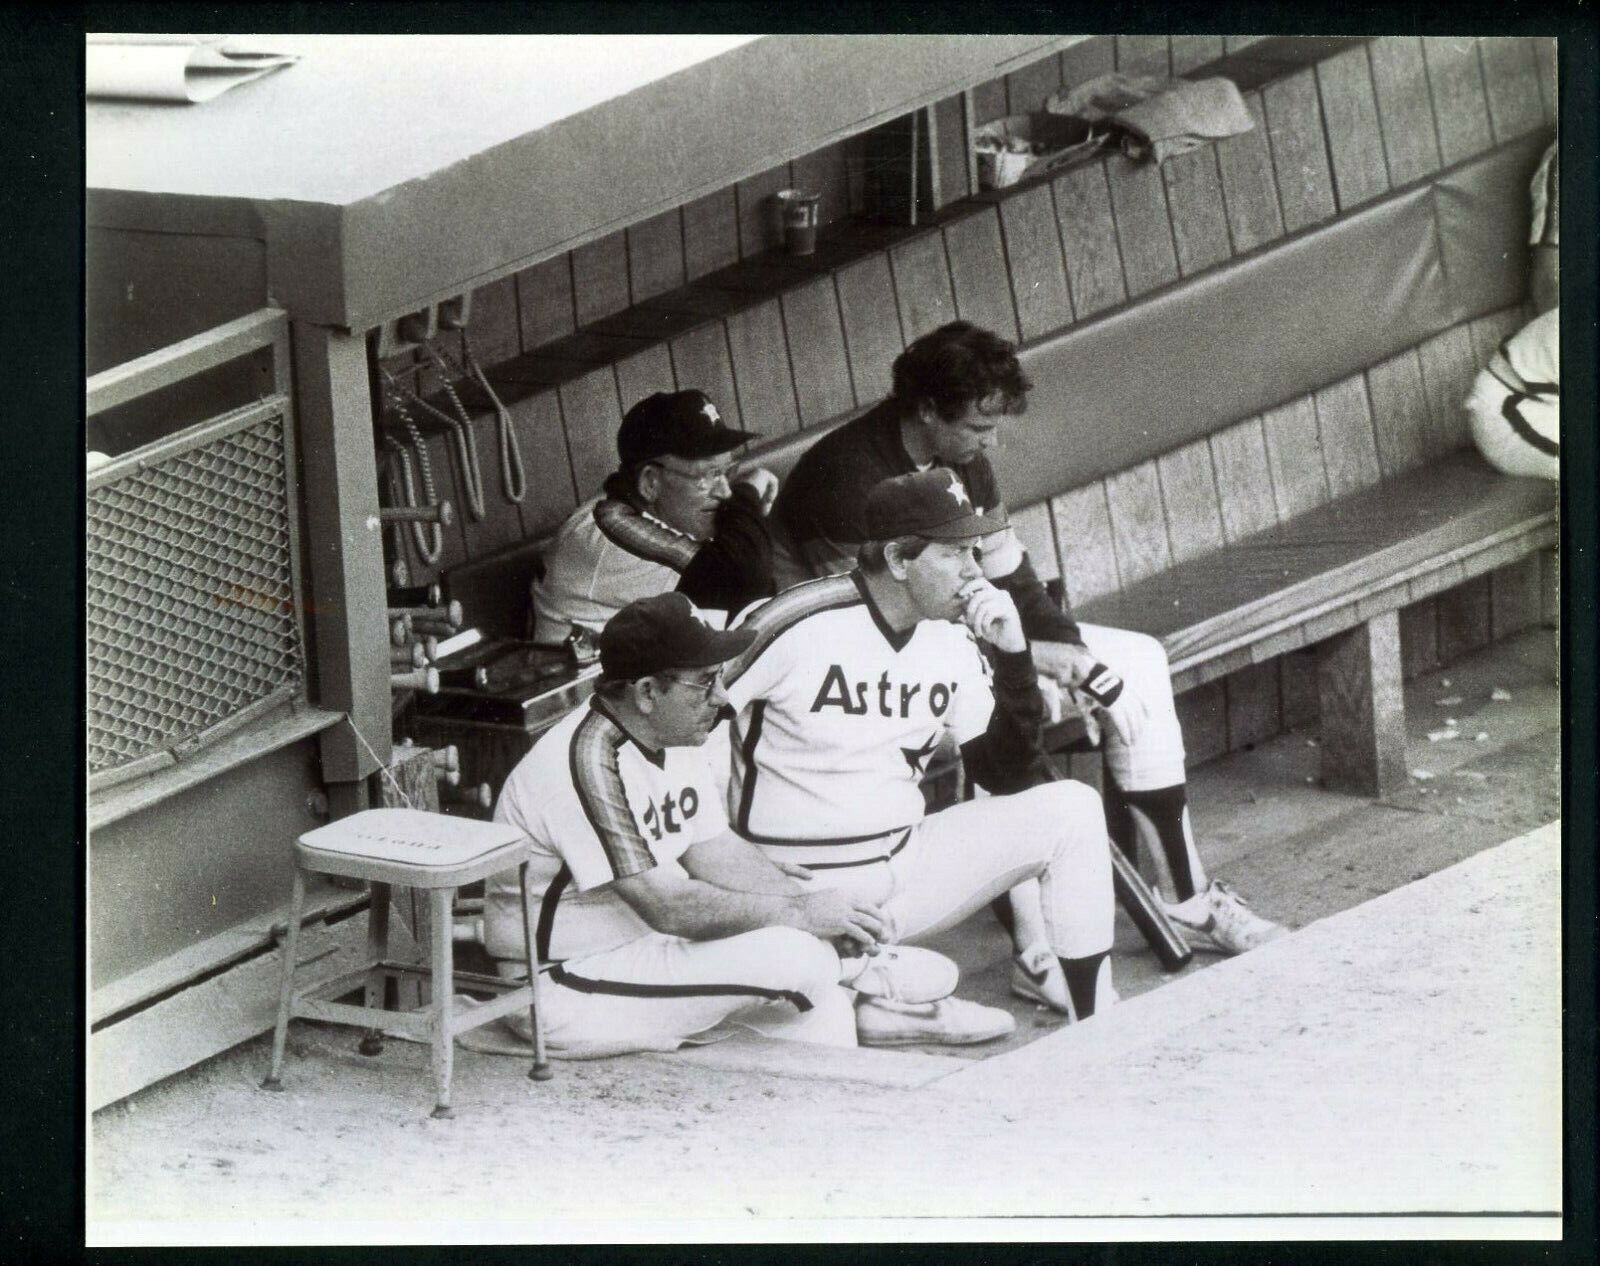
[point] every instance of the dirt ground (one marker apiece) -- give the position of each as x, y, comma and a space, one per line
1400, 1052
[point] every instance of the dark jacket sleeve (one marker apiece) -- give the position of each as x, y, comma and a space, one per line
1042, 619
734, 567
1009, 755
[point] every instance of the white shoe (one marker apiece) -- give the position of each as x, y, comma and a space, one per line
1219, 921
948, 1022
1037, 976
900, 973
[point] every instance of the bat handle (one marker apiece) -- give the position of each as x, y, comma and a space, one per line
1134, 896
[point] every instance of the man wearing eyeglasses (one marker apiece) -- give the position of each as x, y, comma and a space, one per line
675, 516
656, 922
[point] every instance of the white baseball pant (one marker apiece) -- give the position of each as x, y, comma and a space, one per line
1155, 759
657, 992
956, 861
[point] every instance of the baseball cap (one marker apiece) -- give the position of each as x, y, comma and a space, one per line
933, 504
682, 424
663, 632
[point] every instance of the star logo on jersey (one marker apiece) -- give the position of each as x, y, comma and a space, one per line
958, 493
917, 757
710, 410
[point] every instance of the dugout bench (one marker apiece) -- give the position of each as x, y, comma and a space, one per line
1290, 468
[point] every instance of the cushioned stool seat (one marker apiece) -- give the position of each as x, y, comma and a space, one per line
423, 851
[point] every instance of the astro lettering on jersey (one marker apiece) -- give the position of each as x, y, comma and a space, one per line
837, 717
599, 807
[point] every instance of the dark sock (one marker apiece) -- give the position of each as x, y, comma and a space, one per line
1164, 808
1001, 906
1081, 974
1119, 822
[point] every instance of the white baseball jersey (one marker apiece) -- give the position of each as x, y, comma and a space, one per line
1515, 402
598, 807
604, 556
838, 716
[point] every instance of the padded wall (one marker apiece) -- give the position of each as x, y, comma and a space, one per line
1483, 210
1192, 359
1313, 309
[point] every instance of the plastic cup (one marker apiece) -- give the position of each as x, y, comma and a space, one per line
799, 211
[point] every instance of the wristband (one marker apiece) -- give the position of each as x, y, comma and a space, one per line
1102, 685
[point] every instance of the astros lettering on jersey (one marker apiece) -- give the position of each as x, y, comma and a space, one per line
837, 718
598, 807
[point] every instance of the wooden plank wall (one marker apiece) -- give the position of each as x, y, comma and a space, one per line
1329, 139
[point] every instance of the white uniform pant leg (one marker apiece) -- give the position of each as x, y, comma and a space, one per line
1498, 440
1156, 759
960, 859
653, 993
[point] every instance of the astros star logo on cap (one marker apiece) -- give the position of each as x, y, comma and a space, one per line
958, 492
710, 410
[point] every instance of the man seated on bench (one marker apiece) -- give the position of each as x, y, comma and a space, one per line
672, 517
849, 688
660, 922
951, 388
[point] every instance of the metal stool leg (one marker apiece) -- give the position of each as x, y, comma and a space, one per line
541, 1066
441, 901
377, 951
291, 950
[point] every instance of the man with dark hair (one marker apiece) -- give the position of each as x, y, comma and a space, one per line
952, 387
675, 516
655, 921
851, 684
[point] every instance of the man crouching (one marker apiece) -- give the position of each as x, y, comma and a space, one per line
658, 923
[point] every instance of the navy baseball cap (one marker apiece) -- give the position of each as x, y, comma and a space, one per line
660, 633
682, 424
933, 504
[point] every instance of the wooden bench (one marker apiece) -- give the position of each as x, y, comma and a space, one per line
1318, 438
1335, 578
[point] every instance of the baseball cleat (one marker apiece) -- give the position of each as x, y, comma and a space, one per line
1037, 976
900, 973
948, 1022
1218, 920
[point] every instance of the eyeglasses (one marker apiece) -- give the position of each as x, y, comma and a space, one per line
704, 685
705, 482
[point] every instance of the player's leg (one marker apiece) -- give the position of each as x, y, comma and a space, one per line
1147, 799
1530, 445
1145, 782
962, 857
656, 992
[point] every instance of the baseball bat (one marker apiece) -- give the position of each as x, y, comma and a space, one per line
1134, 895
408, 657
423, 679
417, 595
449, 613
443, 513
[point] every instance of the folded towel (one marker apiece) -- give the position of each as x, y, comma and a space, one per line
1183, 117
1156, 117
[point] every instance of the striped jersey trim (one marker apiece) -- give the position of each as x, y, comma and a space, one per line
625, 989
826, 841
771, 620
746, 750
873, 860
642, 536
597, 778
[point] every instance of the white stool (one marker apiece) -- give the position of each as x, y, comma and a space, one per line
412, 849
